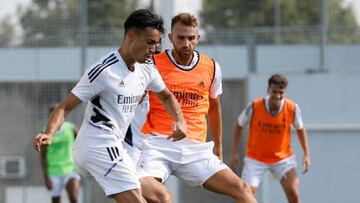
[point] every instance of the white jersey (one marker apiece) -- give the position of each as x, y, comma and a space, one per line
245, 116
216, 86
112, 93
134, 136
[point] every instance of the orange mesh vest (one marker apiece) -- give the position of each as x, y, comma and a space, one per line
270, 136
190, 88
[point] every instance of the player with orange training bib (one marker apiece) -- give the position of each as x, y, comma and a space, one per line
268, 148
195, 81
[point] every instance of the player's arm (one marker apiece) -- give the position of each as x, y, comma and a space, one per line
215, 120
242, 121
234, 157
214, 112
55, 121
43, 162
303, 138
172, 106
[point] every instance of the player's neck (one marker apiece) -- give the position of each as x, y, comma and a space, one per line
129, 61
274, 110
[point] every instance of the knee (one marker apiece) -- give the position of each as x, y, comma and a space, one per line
162, 196
73, 198
294, 195
244, 187
243, 190
165, 196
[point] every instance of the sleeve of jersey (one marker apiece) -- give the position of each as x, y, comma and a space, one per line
156, 83
298, 122
87, 87
245, 116
216, 86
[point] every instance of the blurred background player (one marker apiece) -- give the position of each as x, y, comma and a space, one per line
112, 88
58, 165
268, 148
195, 80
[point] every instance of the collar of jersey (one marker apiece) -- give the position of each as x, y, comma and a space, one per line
268, 107
192, 64
121, 61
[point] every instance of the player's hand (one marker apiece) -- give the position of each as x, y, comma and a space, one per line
306, 163
48, 183
179, 131
41, 139
234, 162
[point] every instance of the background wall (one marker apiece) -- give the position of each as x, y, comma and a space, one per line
63, 64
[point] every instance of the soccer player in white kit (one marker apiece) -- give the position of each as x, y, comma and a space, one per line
112, 88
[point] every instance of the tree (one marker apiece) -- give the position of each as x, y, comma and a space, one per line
106, 18
249, 15
57, 22
50, 23
6, 33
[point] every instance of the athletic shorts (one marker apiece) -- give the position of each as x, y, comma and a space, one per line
59, 182
254, 171
133, 151
111, 167
189, 160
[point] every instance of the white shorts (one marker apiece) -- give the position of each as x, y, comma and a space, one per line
133, 151
111, 167
59, 182
253, 171
189, 160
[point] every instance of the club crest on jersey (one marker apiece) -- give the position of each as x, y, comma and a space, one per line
121, 84
201, 84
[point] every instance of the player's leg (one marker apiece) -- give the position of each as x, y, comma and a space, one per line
290, 184
72, 187
252, 173
56, 189
153, 168
212, 174
153, 171
154, 191
226, 182
253, 190
131, 196
113, 170
55, 199
285, 172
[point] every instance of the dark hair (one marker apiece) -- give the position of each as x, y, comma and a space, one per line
143, 18
185, 19
278, 79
